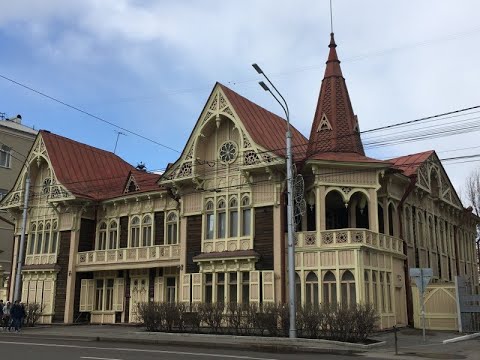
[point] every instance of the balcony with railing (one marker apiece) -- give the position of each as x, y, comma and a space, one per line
41, 259
347, 237
168, 255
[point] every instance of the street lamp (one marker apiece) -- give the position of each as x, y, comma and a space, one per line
291, 244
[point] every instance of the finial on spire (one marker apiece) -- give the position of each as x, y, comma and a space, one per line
331, 17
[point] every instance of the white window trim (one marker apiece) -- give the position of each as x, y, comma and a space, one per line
140, 227
167, 223
108, 222
8, 156
33, 237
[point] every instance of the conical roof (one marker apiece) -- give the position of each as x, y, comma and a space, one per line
335, 127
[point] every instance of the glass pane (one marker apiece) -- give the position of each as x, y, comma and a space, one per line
221, 225
46, 248
221, 293
326, 294
208, 294
233, 223
54, 242
209, 226
39, 243
246, 222
233, 293
344, 294
245, 293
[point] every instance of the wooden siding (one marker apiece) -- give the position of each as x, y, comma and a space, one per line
159, 228
263, 242
194, 241
124, 231
61, 290
86, 241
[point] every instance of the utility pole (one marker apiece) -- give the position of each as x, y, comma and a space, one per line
21, 247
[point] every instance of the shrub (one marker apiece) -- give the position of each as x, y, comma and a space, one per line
234, 317
212, 315
150, 315
33, 311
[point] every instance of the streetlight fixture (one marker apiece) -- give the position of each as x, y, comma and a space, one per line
291, 244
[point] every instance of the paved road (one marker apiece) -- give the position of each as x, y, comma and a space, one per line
21, 346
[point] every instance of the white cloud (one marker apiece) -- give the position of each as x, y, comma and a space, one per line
172, 45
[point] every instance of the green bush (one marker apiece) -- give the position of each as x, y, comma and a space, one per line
33, 311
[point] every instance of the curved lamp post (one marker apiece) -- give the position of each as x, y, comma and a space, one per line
291, 244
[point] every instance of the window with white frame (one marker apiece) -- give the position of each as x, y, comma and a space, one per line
171, 290
141, 231
233, 217
113, 235
104, 294
172, 228
107, 235
102, 236
209, 220
147, 231
329, 288
246, 217
135, 232
221, 219
311, 289
347, 287
229, 218
43, 237
5, 156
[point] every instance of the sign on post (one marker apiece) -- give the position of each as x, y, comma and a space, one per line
422, 277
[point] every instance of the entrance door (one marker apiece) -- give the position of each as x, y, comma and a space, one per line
138, 294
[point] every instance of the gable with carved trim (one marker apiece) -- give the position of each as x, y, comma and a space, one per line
44, 184
432, 177
219, 141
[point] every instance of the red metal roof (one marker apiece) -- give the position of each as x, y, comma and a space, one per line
347, 157
89, 172
334, 102
266, 129
409, 164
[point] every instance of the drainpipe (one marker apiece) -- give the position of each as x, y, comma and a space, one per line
408, 290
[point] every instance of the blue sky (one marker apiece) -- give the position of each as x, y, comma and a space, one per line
149, 66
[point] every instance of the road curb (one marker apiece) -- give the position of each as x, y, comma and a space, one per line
462, 338
252, 345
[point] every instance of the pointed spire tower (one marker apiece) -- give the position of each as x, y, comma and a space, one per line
335, 127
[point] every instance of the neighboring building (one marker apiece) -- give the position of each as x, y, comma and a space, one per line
103, 236
15, 143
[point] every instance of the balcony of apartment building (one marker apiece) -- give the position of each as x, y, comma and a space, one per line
137, 249
348, 218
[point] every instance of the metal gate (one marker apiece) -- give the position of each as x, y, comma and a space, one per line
468, 305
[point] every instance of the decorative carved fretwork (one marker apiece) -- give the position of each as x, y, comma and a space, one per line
131, 185
246, 142
189, 154
185, 170
324, 124
346, 190
214, 104
229, 111
223, 102
327, 238
250, 157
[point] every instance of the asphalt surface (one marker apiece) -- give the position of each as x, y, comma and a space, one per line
20, 346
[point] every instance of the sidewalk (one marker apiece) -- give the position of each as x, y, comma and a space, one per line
410, 342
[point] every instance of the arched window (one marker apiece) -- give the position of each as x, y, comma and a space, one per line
246, 217
135, 232
221, 219
329, 288
31, 239
172, 228
348, 289
209, 220
102, 236
366, 277
39, 237
233, 217
113, 235
147, 231
311, 291
48, 234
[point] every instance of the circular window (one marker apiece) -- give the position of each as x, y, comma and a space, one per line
228, 152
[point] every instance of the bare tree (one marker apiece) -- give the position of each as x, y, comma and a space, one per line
472, 196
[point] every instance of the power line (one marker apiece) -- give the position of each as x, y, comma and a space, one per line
86, 112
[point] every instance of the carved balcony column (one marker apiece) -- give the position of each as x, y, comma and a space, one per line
373, 210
